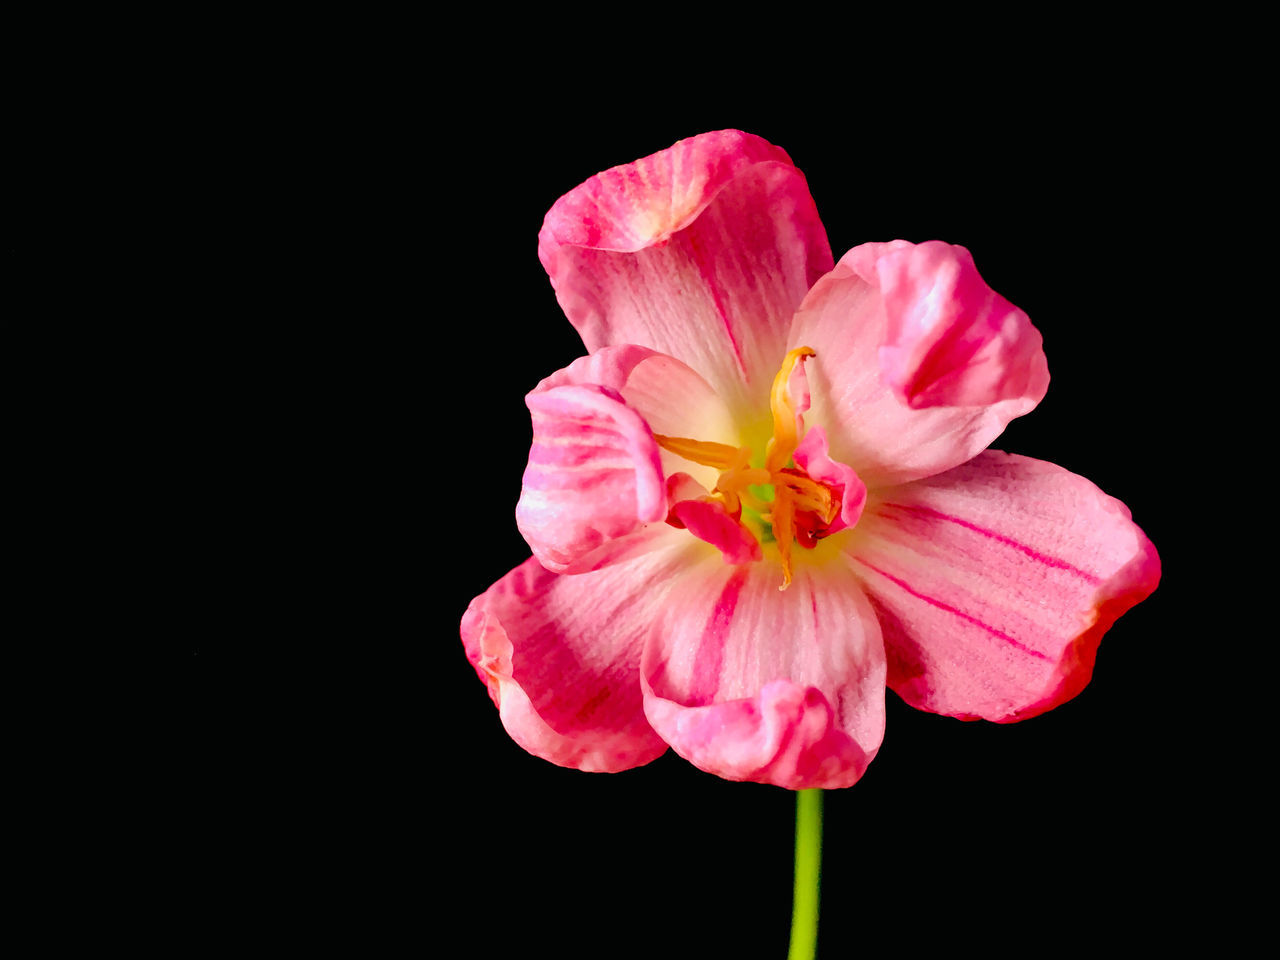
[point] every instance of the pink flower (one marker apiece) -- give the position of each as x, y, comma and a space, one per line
765, 493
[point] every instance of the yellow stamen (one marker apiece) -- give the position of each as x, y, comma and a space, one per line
755, 503
810, 495
783, 516
718, 455
792, 491
785, 437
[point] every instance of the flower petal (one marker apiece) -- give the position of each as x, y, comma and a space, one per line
673, 399
594, 475
702, 251
952, 340
561, 657
752, 683
812, 457
995, 583
846, 319
708, 520
692, 508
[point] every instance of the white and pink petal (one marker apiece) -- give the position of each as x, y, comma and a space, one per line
951, 339
702, 251
813, 457
752, 683
673, 399
693, 509
920, 381
594, 475
995, 581
561, 656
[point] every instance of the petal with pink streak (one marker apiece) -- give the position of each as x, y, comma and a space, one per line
702, 251
709, 521
692, 508
752, 683
869, 426
952, 340
812, 457
681, 486
594, 476
673, 399
561, 656
995, 582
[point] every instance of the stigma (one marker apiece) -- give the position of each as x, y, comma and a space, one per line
801, 508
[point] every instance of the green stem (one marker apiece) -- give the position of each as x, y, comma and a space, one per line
804, 909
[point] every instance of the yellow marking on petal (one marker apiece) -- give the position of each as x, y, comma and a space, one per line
785, 437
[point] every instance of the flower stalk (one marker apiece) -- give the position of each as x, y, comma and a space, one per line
805, 901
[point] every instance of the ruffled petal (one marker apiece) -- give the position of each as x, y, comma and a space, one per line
692, 508
673, 399
752, 683
710, 522
812, 457
561, 655
952, 340
702, 251
594, 475
869, 423
995, 582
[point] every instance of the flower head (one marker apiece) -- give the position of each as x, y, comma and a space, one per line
765, 495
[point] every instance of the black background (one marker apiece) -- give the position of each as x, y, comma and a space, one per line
361, 782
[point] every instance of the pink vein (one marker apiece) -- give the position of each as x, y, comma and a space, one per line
713, 287
710, 657
955, 612
999, 538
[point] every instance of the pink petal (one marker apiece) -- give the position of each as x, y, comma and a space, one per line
952, 340
681, 486
561, 657
594, 475
691, 508
995, 582
846, 319
702, 251
673, 399
752, 683
812, 457
709, 521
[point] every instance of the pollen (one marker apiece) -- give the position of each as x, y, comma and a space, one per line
801, 508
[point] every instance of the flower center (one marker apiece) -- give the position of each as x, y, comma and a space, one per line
798, 508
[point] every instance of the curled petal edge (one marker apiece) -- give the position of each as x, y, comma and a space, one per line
786, 736
693, 509
872, 426
951, 339
579, 738
638, 254
1132, 584
594, 476
813, 458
